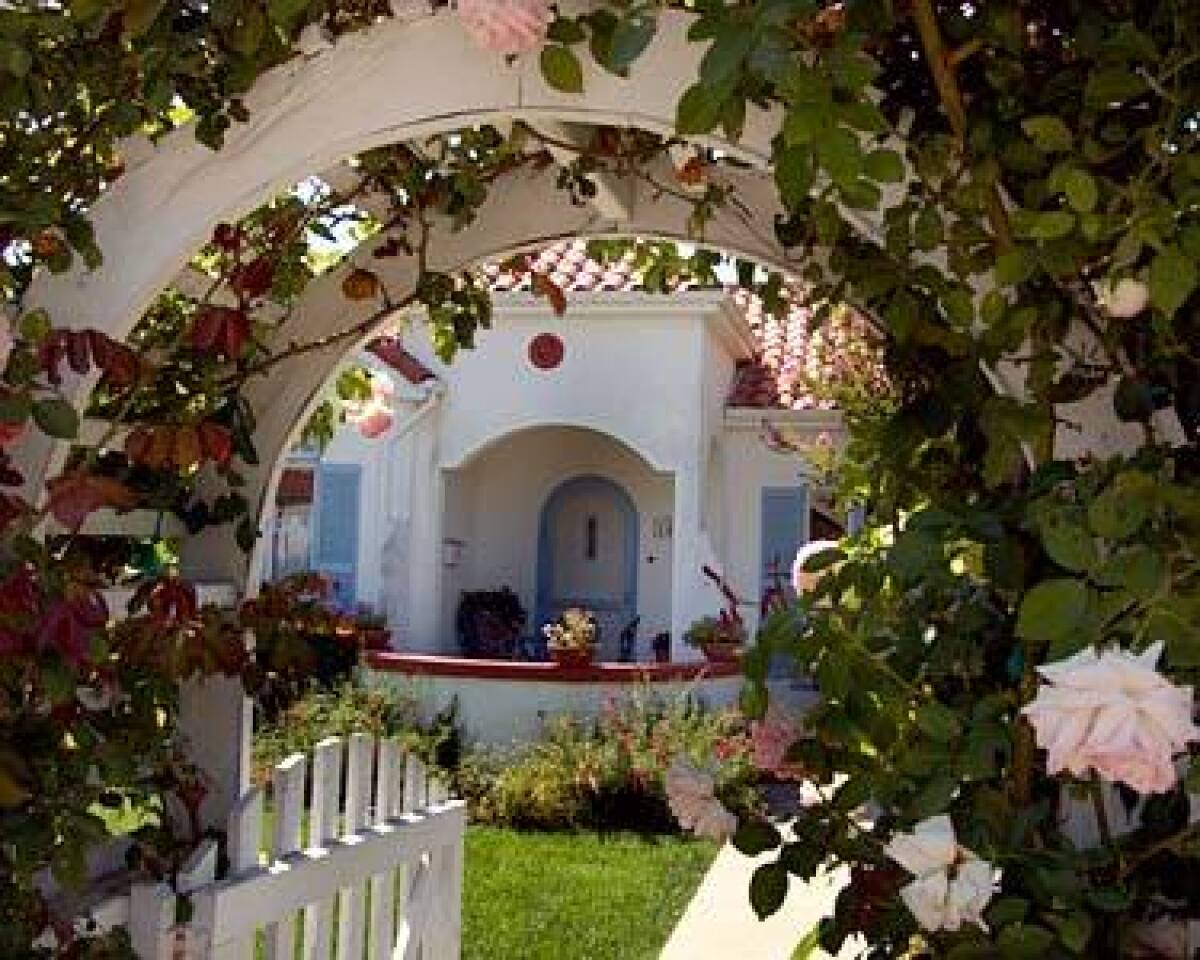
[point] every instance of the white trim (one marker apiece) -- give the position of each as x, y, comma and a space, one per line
752, 418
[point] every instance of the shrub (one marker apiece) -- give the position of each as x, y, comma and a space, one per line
607, 773
349, 708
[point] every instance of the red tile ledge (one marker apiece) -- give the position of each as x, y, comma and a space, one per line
428, 665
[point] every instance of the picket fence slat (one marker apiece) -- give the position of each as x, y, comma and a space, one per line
382, 930
287, 785
353, 899
376, 876
323, 827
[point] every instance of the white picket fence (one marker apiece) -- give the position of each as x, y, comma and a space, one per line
365, 862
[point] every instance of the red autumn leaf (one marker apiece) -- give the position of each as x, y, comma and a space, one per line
50, 354
77, 494
227, 237
187, 452
543, 286
10, 431
360, 284
118, 362
137, 445
171, 601
11, 507
69, 624
78, 355
235, 334
216, 441
207, 327
161, 448
253, 279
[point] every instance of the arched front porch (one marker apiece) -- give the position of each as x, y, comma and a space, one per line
562, 515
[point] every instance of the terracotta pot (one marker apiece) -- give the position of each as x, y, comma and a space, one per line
722, 652
571, 656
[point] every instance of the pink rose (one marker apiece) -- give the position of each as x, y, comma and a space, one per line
1114, 714
694, 804
770, 739
508, 27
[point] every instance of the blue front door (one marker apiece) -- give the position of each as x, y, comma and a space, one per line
587, 556
335, 535
784, 531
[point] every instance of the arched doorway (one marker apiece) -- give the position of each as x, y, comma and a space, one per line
588, 555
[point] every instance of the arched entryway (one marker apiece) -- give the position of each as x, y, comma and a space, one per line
588, 556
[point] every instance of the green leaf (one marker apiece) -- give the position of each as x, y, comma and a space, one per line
1112, 86
1173, 623
938, 722
1021, 940
721, 62
754, 837
1048, 225
1173, 277
698, 110
140, 16
15, 406
566, 30
562, 68
884, 166
808, 945
928, 229
56, 418
1068, 541
804, 122
768, 889
629, 40
1081, 190
1051, 134
1122, 507
1015, 266
286, 12
1054, 611
839, 153
794, 175
14, 58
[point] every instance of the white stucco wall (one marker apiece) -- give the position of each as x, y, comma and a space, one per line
499, 712
749, 465
494, 504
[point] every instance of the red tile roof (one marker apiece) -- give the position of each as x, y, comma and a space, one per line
790, 359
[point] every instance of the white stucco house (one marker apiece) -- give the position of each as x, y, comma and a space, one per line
598, 458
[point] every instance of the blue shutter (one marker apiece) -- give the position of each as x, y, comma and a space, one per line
335, 544
784, 529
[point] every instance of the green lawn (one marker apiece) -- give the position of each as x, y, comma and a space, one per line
534, 896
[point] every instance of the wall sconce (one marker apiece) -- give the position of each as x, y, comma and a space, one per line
452, 552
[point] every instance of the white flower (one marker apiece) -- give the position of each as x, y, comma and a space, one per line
951, 885
1113, 713
804, 580
693, 803
931, 846
1126, 298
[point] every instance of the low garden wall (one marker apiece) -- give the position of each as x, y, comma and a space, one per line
502, 702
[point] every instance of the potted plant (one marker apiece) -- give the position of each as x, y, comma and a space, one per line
721, 637
373, 632
489, 622
572, 638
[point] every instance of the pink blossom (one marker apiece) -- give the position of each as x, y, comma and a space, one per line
770, 739
508, 27
1125, 298
1114, 714
690, 794
373, 417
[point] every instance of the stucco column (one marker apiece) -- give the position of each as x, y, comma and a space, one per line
215, 723
425, 556
687, 554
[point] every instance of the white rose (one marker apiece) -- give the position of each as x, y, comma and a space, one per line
952, 886
931, 846
1127, 298
1115, 714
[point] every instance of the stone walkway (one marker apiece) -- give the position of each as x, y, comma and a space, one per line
719, 924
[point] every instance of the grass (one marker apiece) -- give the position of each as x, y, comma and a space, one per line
549, 896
